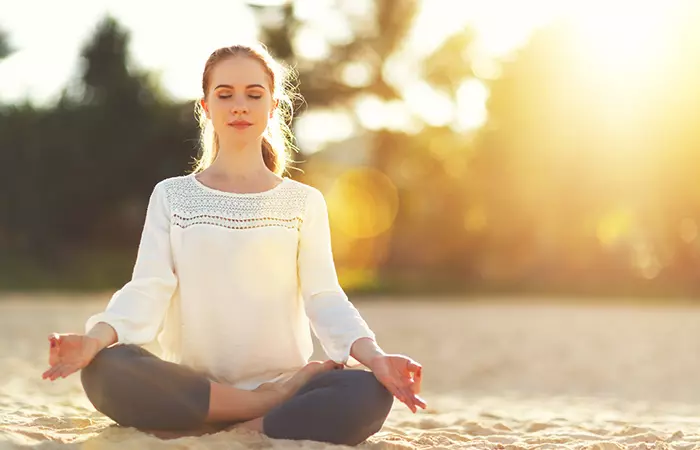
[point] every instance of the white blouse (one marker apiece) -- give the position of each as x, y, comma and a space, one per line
227, 283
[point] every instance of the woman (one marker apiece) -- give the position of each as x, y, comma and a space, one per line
233, 266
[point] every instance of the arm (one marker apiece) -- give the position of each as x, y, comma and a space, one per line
135, 312
338, 325
334, 319
366, 351
103, 335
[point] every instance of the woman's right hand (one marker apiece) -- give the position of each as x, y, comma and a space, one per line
69, 353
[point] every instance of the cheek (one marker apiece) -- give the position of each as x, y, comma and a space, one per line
217, 110
261, 111
260, 107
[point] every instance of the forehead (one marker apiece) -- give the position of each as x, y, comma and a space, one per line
239, 71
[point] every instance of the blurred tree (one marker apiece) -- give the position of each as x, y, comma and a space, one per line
83, 170
108, 75
5, 48
352, 65
577, 180
432, 169
372, 39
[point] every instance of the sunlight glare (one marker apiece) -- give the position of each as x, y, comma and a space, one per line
434, 107
318, 127
623, 36
471, 105
363, 203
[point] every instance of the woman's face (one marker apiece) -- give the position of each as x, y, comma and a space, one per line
239, 102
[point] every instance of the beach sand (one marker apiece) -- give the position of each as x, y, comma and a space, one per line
499, 374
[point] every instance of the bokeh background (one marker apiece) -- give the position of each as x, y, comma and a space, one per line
513, 189
547, 146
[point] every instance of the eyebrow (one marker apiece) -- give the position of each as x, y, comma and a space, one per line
228, 86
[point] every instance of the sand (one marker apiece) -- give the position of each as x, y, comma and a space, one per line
499, 375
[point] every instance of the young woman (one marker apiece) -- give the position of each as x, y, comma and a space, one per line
233, 266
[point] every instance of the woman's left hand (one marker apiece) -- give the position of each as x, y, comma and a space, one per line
402, 376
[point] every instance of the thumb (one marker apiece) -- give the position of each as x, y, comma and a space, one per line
53, 350
54, 341
414, 366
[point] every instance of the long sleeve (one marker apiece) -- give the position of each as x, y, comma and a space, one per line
334, 319
137, 310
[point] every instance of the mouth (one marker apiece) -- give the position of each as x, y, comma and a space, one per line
239, 124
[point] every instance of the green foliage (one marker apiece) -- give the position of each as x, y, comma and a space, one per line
5, 47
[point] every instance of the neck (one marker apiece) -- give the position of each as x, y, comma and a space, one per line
238, 161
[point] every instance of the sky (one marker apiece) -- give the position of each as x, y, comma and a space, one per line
48, 37
48, 49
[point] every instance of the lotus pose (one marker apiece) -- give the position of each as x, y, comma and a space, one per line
234, 269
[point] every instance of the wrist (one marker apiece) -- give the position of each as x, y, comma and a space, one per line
93, 345
371, 364
104, 334
366, 350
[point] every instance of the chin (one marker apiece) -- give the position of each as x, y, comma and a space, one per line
242, 139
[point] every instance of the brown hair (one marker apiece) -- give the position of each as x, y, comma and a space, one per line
278, 140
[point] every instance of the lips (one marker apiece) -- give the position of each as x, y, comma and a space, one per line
239, 124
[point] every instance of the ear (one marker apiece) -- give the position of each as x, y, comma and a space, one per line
205, 107
274, 107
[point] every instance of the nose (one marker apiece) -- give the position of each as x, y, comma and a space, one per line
239, 107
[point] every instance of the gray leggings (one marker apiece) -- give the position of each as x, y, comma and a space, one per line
137, 389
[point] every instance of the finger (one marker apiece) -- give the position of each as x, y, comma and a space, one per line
413, 366
63, 370
53, 351
395, 391
416, 400
401, 380
55, 340
67, 370
419, 401
405, 395
50, 373
56, 372
417, 381
332, 365
408, 399
328, 364
405, 383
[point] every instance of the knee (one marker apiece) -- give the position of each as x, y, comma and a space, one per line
345, 407
371, 399
100, 374
367, 406
371, 391
103, 364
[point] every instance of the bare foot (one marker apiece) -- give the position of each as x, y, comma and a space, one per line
309, 371
304, 375
288, 389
